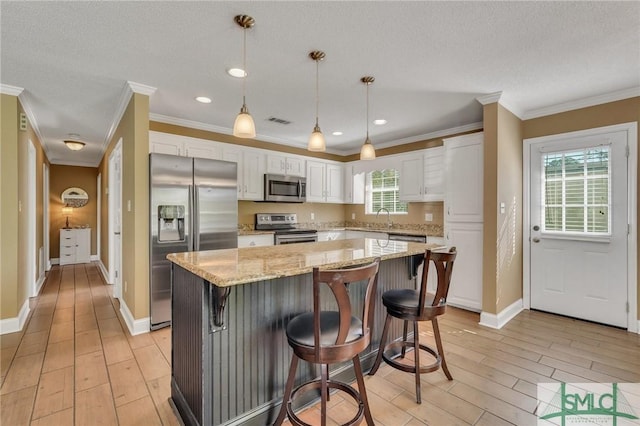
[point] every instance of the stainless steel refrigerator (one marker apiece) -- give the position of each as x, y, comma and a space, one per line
193, 207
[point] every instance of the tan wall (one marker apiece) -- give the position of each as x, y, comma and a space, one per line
322, 212
414, 216
509, 224
61, 178
133, 129
490, 201
14, 255
9, 302
624, 111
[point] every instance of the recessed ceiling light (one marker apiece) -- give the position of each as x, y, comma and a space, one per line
237, 72
337, 133
203, 99
379, 122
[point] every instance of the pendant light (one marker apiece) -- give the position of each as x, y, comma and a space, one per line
244, 127
316, 140
367, 152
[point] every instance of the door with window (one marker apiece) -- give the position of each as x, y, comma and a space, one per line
578, 235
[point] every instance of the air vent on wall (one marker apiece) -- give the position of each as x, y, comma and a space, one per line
278, 120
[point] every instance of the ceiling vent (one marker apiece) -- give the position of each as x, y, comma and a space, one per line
278, 120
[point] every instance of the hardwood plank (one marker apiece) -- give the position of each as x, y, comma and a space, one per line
427, 412
127, 383
16, 407
87, 342
61, 331
95, 406
58, 355
104, 311
6, 358
381, 387
55, 392
549, 352
624, 374
116, 349
139, 412
61, 418
91, 371
110, 327
10, 340
23, 373
162, 338
489, 419
151, 362
483, 370
578, 370
493, 405
63, 315
33, 343
86, 322
160, 390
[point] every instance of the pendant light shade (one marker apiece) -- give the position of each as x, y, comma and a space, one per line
367, 152
316, 140
244, 127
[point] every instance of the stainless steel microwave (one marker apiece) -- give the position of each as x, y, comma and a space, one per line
282, 188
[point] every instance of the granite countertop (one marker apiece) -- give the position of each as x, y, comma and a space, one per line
230, 267
244, 232
396, 231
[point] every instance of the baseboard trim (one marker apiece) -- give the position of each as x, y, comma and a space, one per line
55, 260
12, 325
135, 326
498, 321
103, 271
40, 282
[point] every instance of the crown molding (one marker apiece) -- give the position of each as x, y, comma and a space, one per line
141, 89
425, 136
582, 103
499, 97
6, 89
227, 131
128, 90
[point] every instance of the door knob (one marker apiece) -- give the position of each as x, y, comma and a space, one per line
536, 228
536, 240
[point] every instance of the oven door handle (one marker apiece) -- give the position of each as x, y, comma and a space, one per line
299, 188
293, 238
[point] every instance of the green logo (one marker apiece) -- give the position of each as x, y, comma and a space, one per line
580, 403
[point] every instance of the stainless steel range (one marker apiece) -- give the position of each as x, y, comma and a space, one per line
285, 227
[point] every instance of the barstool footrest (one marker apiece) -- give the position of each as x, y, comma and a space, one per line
331, 384
411, 368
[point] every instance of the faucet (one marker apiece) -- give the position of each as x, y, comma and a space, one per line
389, 223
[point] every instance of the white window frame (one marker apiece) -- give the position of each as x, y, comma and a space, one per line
369, 193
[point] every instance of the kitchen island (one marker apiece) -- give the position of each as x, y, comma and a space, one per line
230, 308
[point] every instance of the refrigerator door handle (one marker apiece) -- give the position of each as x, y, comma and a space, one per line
195, 217
299, 188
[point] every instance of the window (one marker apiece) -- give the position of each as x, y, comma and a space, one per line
576, 191
383, 191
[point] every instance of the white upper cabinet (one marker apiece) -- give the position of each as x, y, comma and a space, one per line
353, 185
324, 182
250, 171
464, 178
285, 165
422, 175
166, 143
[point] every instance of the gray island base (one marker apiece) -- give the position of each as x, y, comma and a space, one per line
230, 355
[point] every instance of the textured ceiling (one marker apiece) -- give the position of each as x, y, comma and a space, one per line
431, 60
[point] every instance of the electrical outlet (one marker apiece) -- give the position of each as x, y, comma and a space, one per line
353, 216
313, 216
428, 217
502, 206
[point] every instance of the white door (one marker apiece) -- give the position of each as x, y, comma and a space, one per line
578, 227
115, 219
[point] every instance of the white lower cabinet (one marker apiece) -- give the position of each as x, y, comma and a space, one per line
466, 281
258, 240
331, 235
75, 246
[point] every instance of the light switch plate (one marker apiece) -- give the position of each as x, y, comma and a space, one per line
428, 217
313, 216
353, 216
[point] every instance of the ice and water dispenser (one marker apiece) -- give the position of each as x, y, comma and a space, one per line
171, 223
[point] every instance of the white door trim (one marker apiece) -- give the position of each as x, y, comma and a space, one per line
99, 215
32, 257
45, 215
632, 215
116, 154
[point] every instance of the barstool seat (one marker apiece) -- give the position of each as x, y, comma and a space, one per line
325, 337
414, 306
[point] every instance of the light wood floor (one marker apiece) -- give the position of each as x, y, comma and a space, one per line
75, 363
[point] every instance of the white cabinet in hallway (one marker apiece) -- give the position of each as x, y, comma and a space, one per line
75, 246
164, 143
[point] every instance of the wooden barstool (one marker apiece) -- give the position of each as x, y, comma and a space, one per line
418, 305
327, 337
